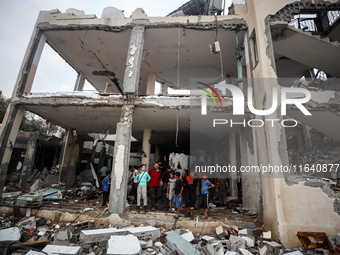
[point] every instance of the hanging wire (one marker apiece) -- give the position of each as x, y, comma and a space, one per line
178, 49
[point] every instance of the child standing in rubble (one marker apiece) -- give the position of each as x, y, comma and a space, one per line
205, 186
106, 187
178, 199
171, 187
143, 177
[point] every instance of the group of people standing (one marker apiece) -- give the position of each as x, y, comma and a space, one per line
172, 189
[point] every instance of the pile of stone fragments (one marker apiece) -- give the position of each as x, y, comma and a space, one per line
35, 236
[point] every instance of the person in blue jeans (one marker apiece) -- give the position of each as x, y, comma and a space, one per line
143, 177
106, 187
205, 186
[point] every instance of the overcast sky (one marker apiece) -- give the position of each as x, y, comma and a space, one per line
17, 19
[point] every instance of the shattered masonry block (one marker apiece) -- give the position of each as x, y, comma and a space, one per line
81, 225
65, 250
237, 242
337, 239
168, 249
273, 247
263, 250
183, 247
231, 253
121, 245
99, 235
250, 240
27, 223
226, 245
61, 238
208, 250
188, 236
220, 232
10, 234
267, 235
294, 253
244, 232
219, 249
33, 253
245, 252
150, 233
208, 239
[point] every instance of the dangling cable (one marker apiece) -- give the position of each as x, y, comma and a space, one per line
177, 128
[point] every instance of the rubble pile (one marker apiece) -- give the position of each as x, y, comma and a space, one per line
34, 236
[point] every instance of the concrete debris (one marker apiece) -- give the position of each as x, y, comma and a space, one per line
61, 238
183, 247
250, 241
220, 232
245, 252
64, 250
188, 236
10, 234
98, 235
208, 239
267, 235
243, 232
119, 245
337, 239
28, 223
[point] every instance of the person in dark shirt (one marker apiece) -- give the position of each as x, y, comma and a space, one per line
222, 189
178, 200
190, 194
165, 179
106, 187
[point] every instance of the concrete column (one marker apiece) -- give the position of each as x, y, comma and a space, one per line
121, 154
146, 148
69, 159
120, 164
158, 153
150, 88
164, 89
233, 162
79, 86
9, 131
28, 161
14, 115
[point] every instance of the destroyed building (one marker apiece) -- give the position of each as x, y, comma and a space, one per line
255, 44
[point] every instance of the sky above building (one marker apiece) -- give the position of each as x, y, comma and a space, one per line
17, 19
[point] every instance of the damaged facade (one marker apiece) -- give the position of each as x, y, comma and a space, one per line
123, 58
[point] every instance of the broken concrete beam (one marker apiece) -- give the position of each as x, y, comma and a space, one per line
119, 245
99, 235
188, 236
250, 240
64, 250
183, 247
245, 252
10, 234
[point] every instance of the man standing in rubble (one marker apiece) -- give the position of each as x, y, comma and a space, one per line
106, 187
154, 185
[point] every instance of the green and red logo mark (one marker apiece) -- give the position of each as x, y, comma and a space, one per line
209, 93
